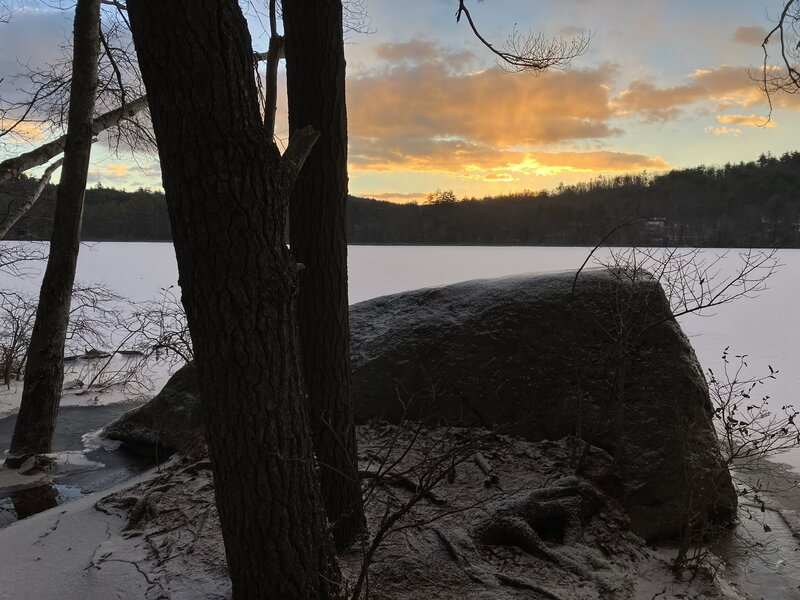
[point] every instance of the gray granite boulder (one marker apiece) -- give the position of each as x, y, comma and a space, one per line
535, 356
538, 356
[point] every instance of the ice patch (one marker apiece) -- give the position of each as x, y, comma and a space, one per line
71, 461
95, 440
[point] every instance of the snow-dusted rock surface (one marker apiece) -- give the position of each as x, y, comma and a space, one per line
535, 356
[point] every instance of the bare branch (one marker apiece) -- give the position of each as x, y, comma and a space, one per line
300, 144
532, 52
13, 167
785, 78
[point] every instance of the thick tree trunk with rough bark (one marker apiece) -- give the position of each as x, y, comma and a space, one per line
44, 372
227, 191
315, 68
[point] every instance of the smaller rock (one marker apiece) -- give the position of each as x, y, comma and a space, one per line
165, 424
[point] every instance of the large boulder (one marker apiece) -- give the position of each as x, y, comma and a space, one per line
542, 357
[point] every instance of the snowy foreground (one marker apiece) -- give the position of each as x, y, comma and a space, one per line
157, 535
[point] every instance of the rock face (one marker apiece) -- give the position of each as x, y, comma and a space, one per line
538, 356
164, 424
531, 357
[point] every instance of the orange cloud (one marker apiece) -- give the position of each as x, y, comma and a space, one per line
746, 120
399, 197
420, 114
110, 172
734, 131
553, 163
25, 131
488, 163
422, 100
117, 170
725, 86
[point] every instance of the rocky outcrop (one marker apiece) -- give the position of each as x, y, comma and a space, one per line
166, 423
541, 357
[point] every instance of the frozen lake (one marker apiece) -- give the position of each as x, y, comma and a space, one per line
766, 328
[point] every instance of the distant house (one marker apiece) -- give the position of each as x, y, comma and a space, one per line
655, 222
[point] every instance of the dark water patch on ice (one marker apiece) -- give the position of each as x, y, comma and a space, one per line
107, 465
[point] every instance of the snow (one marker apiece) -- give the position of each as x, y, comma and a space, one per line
79, 372
68, 553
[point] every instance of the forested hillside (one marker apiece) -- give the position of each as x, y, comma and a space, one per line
746, 204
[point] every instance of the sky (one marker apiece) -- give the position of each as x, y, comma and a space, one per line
662, 85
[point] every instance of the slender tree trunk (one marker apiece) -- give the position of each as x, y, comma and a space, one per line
28, 203
44, 375
315, 68
227, 192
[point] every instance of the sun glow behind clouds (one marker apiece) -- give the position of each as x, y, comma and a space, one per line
428, 108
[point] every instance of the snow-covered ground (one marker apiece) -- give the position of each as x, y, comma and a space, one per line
97, 549
78, 374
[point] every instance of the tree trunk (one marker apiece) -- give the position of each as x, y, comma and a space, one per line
28, 203
44, 375
315, 67
227, 192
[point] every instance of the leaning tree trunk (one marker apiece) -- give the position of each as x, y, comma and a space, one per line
315, 68
227, 190
15, 166
44, 373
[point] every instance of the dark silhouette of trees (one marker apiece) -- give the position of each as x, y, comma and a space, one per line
750, 204
315, 73
44, 373
227, 190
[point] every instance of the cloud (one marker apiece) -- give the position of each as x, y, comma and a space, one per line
422, 50
421, 114
488, 163
725, 86
117, 170
734, 131
603, 160
752, 36
746, 120
570, 31
113, 174
418, 110
23, 132
423, 100
35, 37
399, 197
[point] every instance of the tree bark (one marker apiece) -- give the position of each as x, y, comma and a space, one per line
315, 67
13, 167
227, 192
44, 373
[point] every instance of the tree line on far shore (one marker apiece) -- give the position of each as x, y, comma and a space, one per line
753, 204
